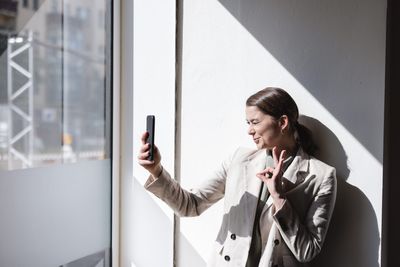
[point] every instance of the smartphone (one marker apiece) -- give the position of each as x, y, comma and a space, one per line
150, 127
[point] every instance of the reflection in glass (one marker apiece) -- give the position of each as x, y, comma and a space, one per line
99, 259
53, 86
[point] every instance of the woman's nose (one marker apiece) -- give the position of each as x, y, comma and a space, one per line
251, 131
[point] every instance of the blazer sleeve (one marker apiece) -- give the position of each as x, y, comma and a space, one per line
194, 201
305, 238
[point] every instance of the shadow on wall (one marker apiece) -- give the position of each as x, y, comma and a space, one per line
335, 49
152, 238
353, 236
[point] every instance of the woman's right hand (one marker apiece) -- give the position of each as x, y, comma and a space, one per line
153, 166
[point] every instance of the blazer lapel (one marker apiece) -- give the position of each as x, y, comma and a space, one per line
255, 163
294, 174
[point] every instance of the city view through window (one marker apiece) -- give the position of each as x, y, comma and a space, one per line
55, 84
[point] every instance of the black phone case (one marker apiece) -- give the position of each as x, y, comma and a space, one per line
150, 125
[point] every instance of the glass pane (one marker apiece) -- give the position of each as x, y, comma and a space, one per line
56, 215
54, 84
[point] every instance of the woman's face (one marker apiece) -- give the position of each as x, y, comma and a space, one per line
264, 129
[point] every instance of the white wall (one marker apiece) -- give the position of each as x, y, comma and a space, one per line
329, 55
147, 224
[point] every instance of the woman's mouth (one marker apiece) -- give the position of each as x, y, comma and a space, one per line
256, 140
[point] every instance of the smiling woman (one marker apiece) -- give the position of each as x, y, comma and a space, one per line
263, 128
278, 198
279, 114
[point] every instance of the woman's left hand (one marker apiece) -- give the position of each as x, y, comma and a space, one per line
272, 177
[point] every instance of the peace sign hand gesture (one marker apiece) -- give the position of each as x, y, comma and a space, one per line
272, 177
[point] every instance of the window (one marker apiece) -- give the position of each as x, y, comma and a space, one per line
53, 102
55, 109
100, 19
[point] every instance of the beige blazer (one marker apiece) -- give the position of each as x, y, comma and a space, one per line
298, 229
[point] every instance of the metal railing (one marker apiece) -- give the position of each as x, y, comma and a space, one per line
17, 46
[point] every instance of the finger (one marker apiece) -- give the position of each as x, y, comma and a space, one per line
281, 159
262, 178
144, 137
144, 148
282, 156
275, 155
268, 169
143, 162
144, 155
266, 174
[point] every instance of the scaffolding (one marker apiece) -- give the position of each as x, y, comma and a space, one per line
17, 45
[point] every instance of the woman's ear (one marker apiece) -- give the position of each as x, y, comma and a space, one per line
284, 123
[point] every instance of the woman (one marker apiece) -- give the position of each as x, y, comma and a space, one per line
278, 198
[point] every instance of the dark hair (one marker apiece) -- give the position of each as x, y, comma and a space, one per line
276, 102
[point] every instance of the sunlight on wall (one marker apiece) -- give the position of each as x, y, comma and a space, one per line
151, 221
222, 65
